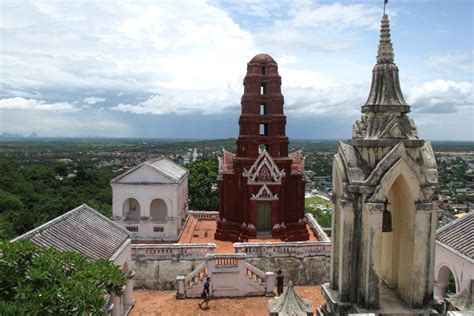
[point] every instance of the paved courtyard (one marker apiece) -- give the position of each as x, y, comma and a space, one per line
165, 303
202, 231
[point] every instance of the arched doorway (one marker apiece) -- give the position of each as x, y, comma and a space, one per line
158, 210
395, 249
131, 210
445, 282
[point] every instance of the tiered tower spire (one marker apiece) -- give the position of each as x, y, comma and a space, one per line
385, 111
385, 93
262, 122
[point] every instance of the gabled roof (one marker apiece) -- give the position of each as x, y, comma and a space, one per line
171, 171
264, 170
82, 230
459, 235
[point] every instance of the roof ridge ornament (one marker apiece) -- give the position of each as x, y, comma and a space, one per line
385, 95
385, 111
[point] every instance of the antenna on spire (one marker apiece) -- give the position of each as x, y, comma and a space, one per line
384, 4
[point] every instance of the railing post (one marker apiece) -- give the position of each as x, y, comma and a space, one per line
269, 283
180, 286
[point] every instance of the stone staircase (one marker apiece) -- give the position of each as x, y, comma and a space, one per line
231, 276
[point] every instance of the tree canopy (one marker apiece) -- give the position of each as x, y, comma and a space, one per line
44, 281
202, 183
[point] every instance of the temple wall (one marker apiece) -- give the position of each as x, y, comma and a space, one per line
161, 274
302, 271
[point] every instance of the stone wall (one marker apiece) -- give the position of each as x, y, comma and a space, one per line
161, 274
302, 271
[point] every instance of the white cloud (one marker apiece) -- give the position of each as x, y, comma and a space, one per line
63, 124
185, 102
338, 17
18, 103
128, 46
441, 96
93, 100
451, 61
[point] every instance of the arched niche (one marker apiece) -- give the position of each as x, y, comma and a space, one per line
395, 249
446, 282
131, 209
158, 210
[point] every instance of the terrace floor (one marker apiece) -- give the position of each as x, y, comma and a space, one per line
202, 231
161, 303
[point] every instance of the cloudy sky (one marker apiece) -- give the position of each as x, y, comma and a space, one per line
175, 68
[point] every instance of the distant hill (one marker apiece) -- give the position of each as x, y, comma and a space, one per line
9, 136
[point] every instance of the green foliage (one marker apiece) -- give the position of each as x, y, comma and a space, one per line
313, 206
451, 289
202, 179
44, 281
31, 195
321, 216
9, 202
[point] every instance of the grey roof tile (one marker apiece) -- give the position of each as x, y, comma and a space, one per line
82, 230
459, 235
167, 168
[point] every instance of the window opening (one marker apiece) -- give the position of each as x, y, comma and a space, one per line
263, 129
263, 109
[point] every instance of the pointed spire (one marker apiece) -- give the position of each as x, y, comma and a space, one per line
385, 52
290, 304
385, 93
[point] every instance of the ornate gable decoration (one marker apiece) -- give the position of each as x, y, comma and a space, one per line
263, 171
264, 194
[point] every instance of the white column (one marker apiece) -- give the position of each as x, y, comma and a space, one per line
269, 284
180, 293
128, 293
117, 310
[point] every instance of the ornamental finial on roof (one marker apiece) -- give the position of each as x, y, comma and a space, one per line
385, 51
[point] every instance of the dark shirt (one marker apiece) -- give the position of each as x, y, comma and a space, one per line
280, 279
206, 288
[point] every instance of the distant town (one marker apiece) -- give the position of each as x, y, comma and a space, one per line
69, 155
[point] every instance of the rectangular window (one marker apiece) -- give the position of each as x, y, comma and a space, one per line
263, 89
263, 129
263, 109
264, 70
158, 229
133, 229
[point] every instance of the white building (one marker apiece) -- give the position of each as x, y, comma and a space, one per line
86, 231
151, 200
455, 254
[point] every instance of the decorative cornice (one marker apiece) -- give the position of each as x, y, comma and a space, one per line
264, 194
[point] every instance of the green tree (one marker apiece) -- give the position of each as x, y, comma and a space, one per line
322, 217
9, 202
45, 281
202, 183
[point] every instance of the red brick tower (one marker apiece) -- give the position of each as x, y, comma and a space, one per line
261, 189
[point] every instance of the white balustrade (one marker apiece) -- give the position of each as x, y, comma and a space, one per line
204, 215
172, 251
284, 249
316, 228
